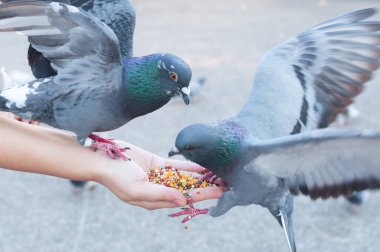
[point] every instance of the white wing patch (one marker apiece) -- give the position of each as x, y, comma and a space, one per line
17, 96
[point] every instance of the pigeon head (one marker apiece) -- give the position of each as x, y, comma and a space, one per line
214, 146
175, 75
151, 81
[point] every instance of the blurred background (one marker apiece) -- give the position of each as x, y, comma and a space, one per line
223, 41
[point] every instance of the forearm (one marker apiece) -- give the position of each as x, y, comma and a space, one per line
29, 148
39, 150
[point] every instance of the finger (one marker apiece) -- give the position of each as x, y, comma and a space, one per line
185, 165
207, 193
155, 204
153, 192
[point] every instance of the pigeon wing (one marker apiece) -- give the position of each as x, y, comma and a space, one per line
321, 163
119, 15
316, 74
80, 47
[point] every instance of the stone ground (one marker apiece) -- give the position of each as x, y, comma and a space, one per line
222, 40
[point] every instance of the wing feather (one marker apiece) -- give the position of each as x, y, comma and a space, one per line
322, 163
324, 67
80, 47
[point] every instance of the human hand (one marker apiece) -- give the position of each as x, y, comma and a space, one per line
129, 180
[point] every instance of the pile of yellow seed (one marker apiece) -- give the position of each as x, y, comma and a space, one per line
171, 177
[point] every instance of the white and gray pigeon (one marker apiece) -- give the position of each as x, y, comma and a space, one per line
96, 89
270, 150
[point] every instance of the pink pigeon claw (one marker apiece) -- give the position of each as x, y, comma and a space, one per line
206, 175
209, 177
191, 211
108, 146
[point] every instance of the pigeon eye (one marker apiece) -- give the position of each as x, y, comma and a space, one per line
189, 147
173, 76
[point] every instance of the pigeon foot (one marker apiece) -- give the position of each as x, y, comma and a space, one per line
108, 146
208, 176
191, 211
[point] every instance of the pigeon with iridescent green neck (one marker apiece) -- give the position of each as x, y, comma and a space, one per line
270, 150
95, 88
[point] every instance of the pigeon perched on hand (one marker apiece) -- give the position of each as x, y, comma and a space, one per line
119, 15
267, 152
95, 88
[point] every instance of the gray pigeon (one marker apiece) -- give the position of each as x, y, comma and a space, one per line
300, 85
119, 15
95, 88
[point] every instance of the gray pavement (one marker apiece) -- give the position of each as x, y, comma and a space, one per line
222, 40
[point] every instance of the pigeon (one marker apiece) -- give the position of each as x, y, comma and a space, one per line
119, 15
95, 88
272, 149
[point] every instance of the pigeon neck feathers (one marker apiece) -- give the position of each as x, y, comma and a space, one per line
214, 146
149, 82
143, 90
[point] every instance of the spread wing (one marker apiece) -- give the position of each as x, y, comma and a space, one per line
322, 163
119, 15
80, 47
317, 74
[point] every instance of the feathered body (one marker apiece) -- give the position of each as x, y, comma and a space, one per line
299, 86
96, 88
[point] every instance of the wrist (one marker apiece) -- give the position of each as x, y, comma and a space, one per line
100, 169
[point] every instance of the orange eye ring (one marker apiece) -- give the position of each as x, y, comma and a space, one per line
173, 76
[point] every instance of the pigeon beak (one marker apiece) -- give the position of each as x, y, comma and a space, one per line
185, 93
173, 151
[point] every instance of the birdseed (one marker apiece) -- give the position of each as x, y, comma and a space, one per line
171, 177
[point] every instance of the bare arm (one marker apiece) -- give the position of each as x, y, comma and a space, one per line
30, 148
